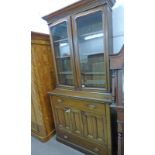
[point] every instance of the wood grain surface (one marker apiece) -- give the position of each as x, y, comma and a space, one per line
42, 81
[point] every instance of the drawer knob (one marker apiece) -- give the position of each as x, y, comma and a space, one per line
92, 106
59, 100
65, 137
67, 110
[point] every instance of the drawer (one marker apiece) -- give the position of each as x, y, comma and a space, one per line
79, 104
82, 143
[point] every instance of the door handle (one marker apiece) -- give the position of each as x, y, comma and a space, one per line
67, 110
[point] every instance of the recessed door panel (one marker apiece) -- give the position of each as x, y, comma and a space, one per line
93, 127
60, 116
77, 126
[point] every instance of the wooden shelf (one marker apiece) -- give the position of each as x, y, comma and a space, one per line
93, 73
94, 82
60, 40
66, 73
91, 33
63, 57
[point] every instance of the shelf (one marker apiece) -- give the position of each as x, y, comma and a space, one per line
96, 53
65, 73
60, 40
94, 82
63, 57
93, 73
91, 33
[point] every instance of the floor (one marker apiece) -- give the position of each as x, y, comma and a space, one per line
52, 147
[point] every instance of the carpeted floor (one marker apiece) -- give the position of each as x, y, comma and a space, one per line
51, 147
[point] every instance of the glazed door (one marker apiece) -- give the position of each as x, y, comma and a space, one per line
62, 46
90, 50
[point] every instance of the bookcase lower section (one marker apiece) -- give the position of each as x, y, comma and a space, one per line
82, 124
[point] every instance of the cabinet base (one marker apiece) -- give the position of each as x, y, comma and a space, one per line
77, 147
43, 138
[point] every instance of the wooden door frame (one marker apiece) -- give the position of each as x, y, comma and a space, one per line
68, 23
106, 48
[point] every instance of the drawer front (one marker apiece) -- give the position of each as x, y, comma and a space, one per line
86, 145
83, 105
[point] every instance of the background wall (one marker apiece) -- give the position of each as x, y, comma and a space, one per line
42, 8
118, 26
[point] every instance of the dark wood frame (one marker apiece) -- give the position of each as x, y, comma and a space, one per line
75, 8
67, 20
117, 68
77, 50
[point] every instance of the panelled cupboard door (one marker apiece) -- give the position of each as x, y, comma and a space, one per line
60, 120
94, 127
69, 119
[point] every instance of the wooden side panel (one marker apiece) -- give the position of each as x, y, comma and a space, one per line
120, 129
117, 70
35, 94
33, 119
42, 81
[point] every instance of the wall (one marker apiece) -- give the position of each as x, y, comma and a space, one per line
47, 6
118, 26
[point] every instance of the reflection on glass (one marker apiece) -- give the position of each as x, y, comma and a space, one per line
91, 49
62, 53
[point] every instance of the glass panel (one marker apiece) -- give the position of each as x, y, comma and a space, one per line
62, 53
91, 49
